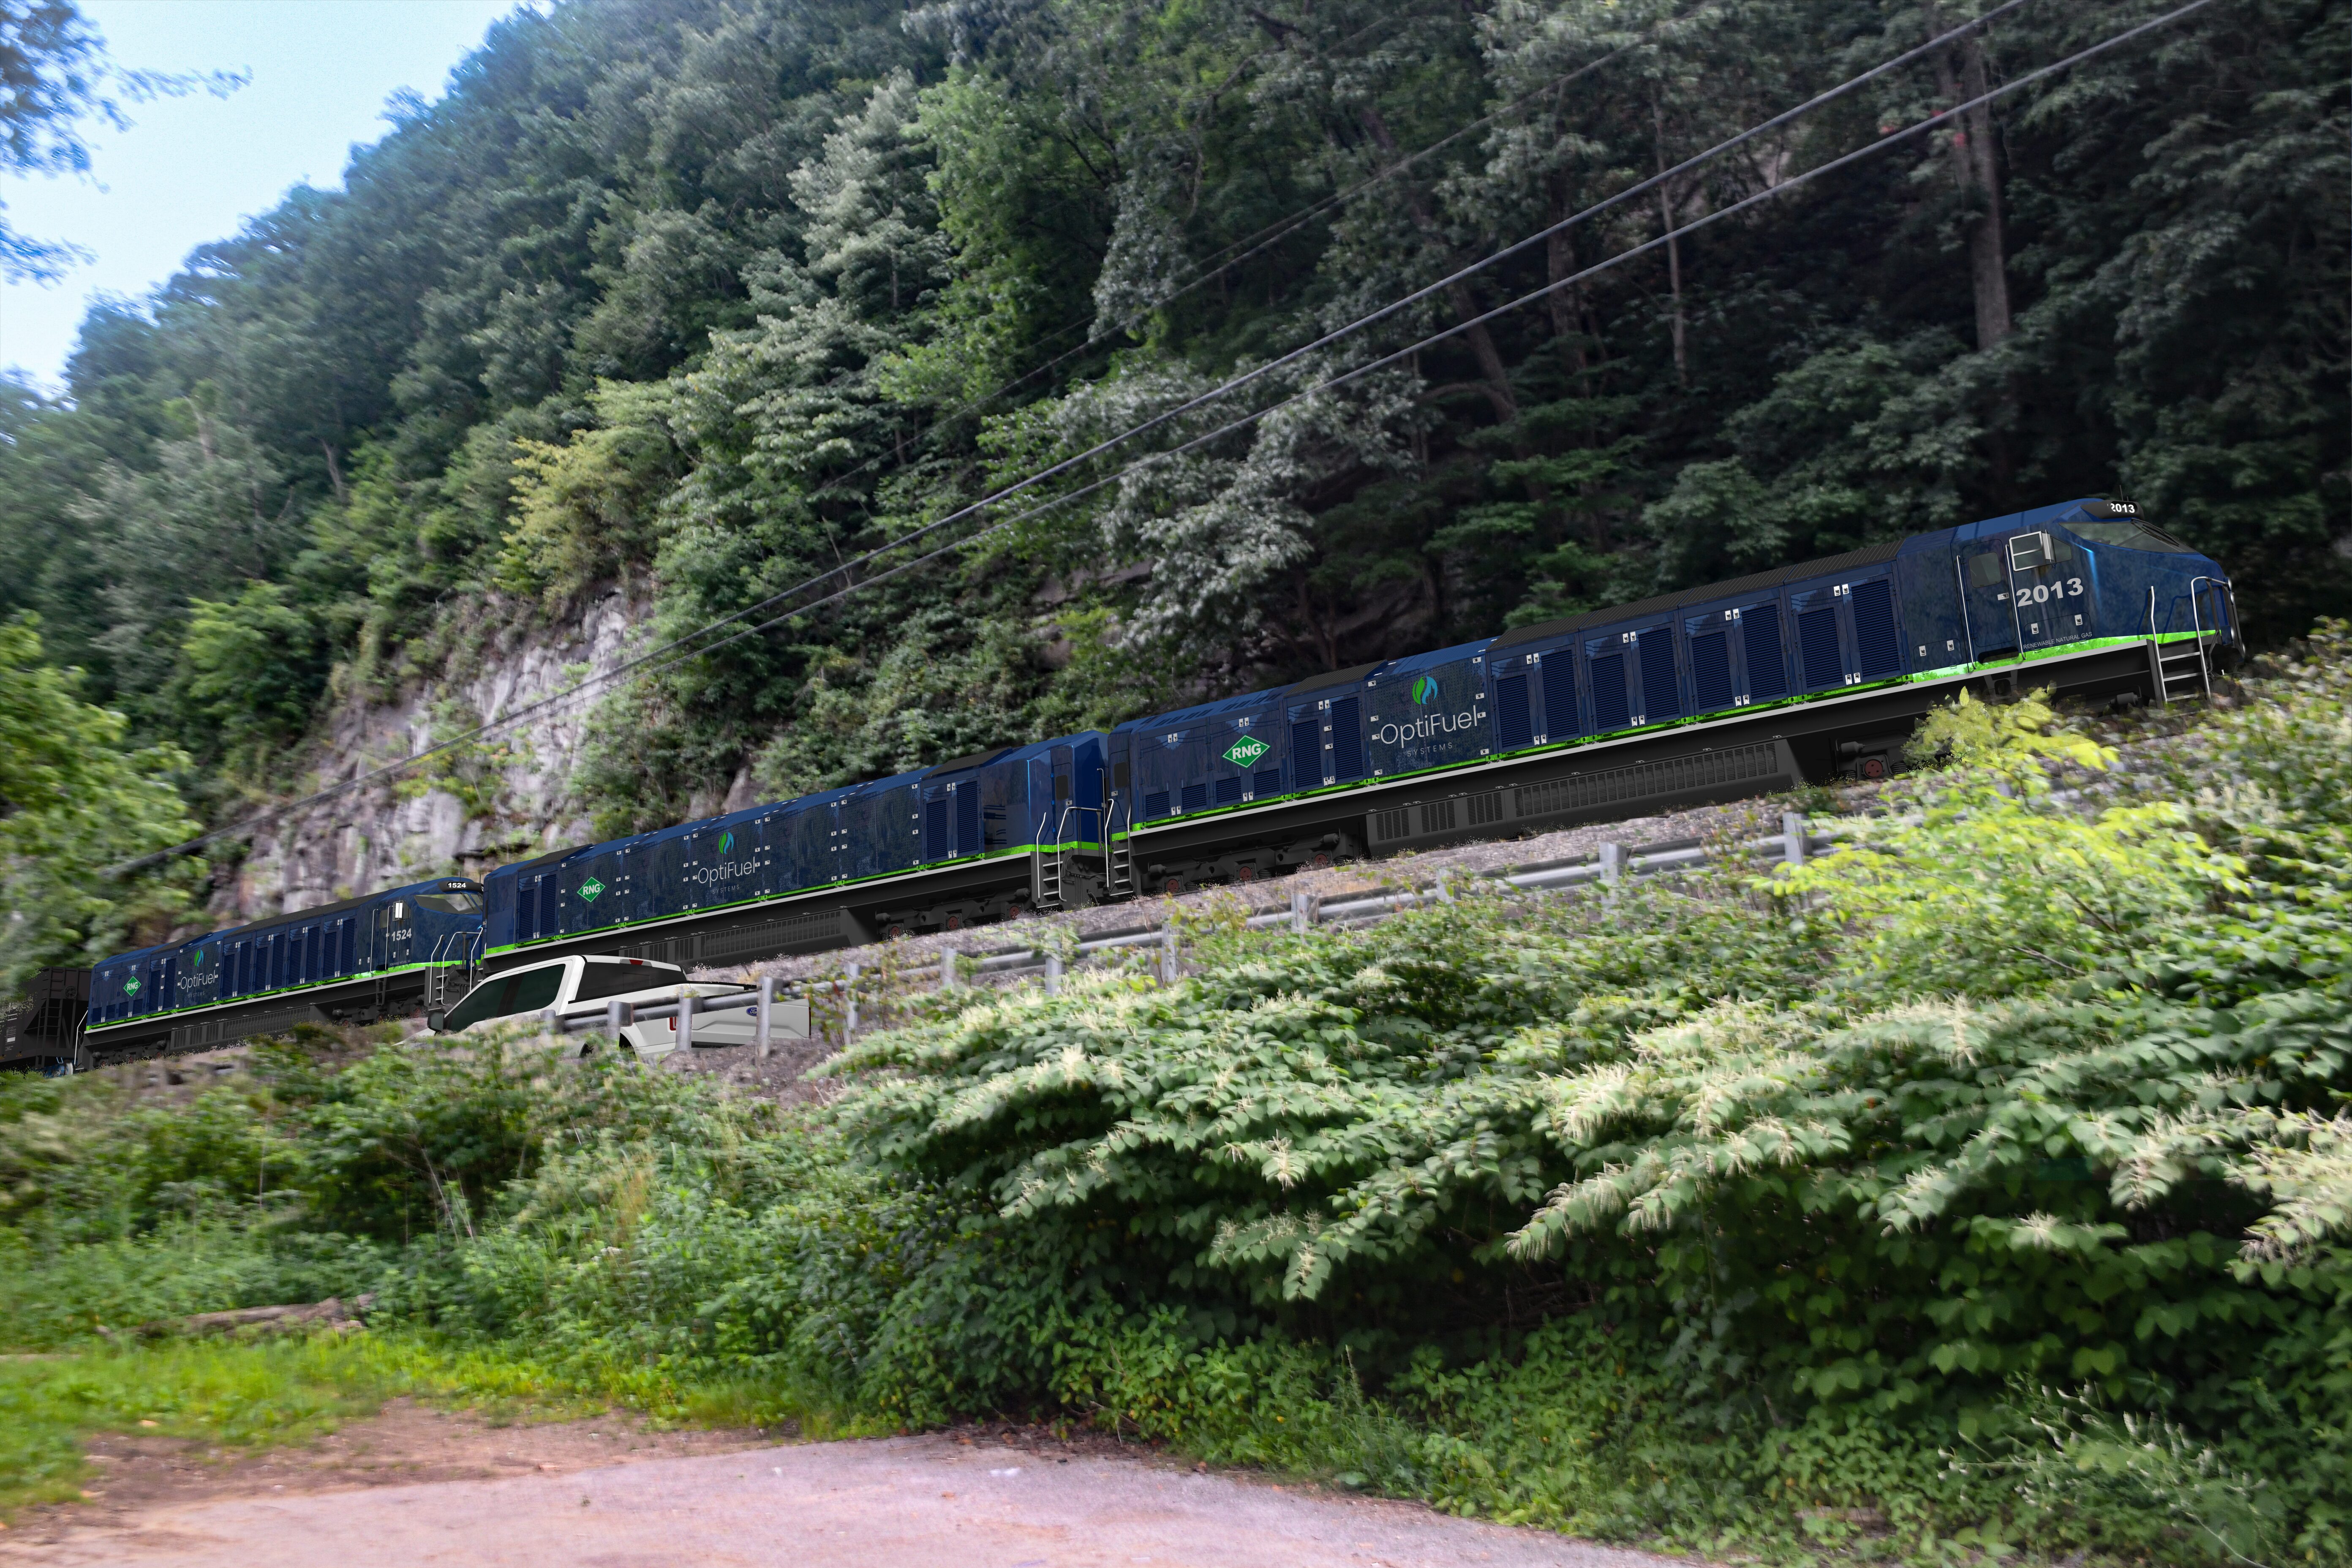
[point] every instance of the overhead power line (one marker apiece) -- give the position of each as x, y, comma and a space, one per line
1335, 335
1771, 193
643, 667
1256, 243
1340, 333
1239, 251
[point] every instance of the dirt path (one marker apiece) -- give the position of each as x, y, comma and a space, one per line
415, 1487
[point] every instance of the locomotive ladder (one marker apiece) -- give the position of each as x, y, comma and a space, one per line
2179, 671
1046, 865
444, 982
1119, 859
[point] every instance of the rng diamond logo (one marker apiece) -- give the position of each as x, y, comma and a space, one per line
1245, 751
590, 889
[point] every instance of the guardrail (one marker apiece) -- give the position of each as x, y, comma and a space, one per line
618, 1015
1611, 863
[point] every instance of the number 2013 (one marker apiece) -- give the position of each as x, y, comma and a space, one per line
2041, 593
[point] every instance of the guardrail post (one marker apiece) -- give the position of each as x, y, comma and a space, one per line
763, 1026
1053, 974
849, 1007
1168, 955
1444, 887
1302, 912
616, 1018
686, 1022
948, 970
551, 1019
1792, 837
1612, 867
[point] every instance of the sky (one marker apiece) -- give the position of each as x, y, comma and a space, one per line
192, 170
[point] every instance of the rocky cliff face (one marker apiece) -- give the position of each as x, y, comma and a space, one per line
505, 797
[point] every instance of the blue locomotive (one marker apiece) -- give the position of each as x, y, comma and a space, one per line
353, 962
1716, 693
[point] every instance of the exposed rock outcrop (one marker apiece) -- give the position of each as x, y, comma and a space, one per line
503, 798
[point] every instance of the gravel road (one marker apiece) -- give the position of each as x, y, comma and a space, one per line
927, 1500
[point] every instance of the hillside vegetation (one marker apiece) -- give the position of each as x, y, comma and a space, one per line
1982, 1189
706, 296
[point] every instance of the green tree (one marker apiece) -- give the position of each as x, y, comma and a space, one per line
251, 673
73, 803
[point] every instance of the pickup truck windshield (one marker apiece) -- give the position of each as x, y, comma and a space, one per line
500, 994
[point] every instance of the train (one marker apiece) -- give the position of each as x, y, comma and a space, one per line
1802, 673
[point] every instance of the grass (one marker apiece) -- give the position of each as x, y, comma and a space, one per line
268, 1393
240, 1395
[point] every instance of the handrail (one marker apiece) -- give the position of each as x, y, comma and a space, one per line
1967, 627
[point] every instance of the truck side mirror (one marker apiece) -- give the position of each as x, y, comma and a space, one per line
434, 1019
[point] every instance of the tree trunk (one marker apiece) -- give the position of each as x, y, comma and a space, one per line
1496, 379
1564, 305
1674, 248
1977, 169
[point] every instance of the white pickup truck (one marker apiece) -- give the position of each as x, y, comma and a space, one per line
581, 991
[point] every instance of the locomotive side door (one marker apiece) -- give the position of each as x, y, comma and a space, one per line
398, 934
1987, 614
1064, 822
2048, 591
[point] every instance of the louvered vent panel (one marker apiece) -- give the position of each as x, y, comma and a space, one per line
1515, 725
1662, 694
1561, 720
1613, 786
1305, 753
1609, 710
1817, 640
1878, 650
1711, 671
1346, 739
1759, 639
967, 801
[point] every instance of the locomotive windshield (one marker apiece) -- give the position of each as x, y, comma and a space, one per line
2130, 535
451, 903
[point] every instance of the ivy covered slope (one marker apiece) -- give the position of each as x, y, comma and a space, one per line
1984, 1187
710, 295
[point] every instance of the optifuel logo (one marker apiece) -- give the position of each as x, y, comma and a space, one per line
1429, 726
1424, 691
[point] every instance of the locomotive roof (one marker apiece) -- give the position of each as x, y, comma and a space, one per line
341, 906
1869, 556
